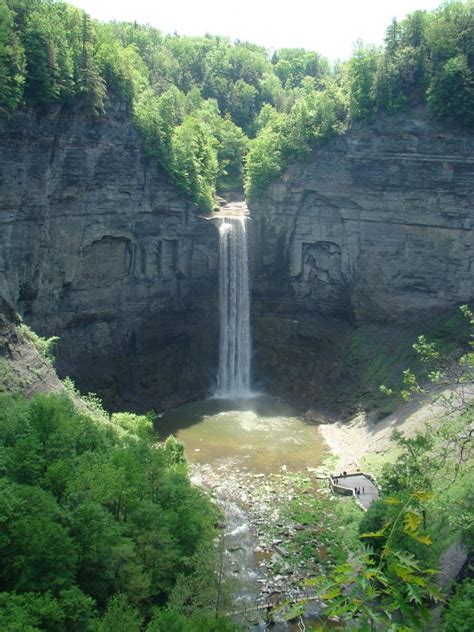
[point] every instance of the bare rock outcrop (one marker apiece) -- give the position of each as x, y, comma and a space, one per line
377, 226
98, 248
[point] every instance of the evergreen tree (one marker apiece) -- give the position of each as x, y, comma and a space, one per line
12, 61
90, 84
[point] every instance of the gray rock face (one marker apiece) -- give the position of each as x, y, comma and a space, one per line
98, 248
373, 233
376, 226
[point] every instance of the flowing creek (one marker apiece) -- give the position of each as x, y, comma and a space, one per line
235, 447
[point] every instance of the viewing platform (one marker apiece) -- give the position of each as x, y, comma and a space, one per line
362, 486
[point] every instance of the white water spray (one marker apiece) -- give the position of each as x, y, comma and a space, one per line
234, 307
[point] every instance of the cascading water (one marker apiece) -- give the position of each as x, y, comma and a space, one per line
234, 307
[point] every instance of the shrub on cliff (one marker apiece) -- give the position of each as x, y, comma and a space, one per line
12, 61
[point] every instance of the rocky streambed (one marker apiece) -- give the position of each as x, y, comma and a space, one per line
262, 464
259, 540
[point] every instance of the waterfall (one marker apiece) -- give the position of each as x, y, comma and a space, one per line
234, 309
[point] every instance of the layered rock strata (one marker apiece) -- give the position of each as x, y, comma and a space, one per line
99, 249
377, 226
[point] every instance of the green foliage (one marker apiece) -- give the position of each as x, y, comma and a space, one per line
43, 345
459, 614
174, 451
139, 425
292, 65
194, 161
396, 585
230, 141
443, 365
93, 517
451, 94
425, 506
172, 620
157, 118
197, 100
360, 81
90, 85
12, 61
31, 612
313, 118
265, 160
120, 616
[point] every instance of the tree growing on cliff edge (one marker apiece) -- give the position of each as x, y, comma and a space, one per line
360, 74
195, 161
12, 61
451, 94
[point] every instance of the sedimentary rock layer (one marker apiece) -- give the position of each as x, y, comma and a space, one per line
376, 226
99, 249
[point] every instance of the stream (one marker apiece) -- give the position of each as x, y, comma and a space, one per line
239, 449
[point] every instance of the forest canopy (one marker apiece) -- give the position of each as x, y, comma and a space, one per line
100, 528
217, 114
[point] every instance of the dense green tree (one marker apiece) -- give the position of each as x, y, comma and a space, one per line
292, 65
195, 161
93, 517
242, 105
230, 141
172, 620
121, 616
12, 61
451, 94
30, 612
38, 553
360, 76
49, 57
459, 614
265, 160
91, 86
51, 52
157, 118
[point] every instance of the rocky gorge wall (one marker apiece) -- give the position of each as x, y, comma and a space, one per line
374, 232
354, 251
98, 248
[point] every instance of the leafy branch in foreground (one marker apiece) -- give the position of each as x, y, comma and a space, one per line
427, 492
392, 588
451, 377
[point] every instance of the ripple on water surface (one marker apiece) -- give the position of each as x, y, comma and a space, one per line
260, 434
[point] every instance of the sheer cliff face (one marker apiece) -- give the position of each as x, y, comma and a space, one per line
376, 226
97, 248
375, 230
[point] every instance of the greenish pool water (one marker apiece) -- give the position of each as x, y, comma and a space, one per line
259, 434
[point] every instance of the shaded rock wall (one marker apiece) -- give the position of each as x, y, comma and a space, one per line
98, 248
376, 226
373, 233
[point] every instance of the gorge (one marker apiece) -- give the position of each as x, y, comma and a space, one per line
97, 248
231, 277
